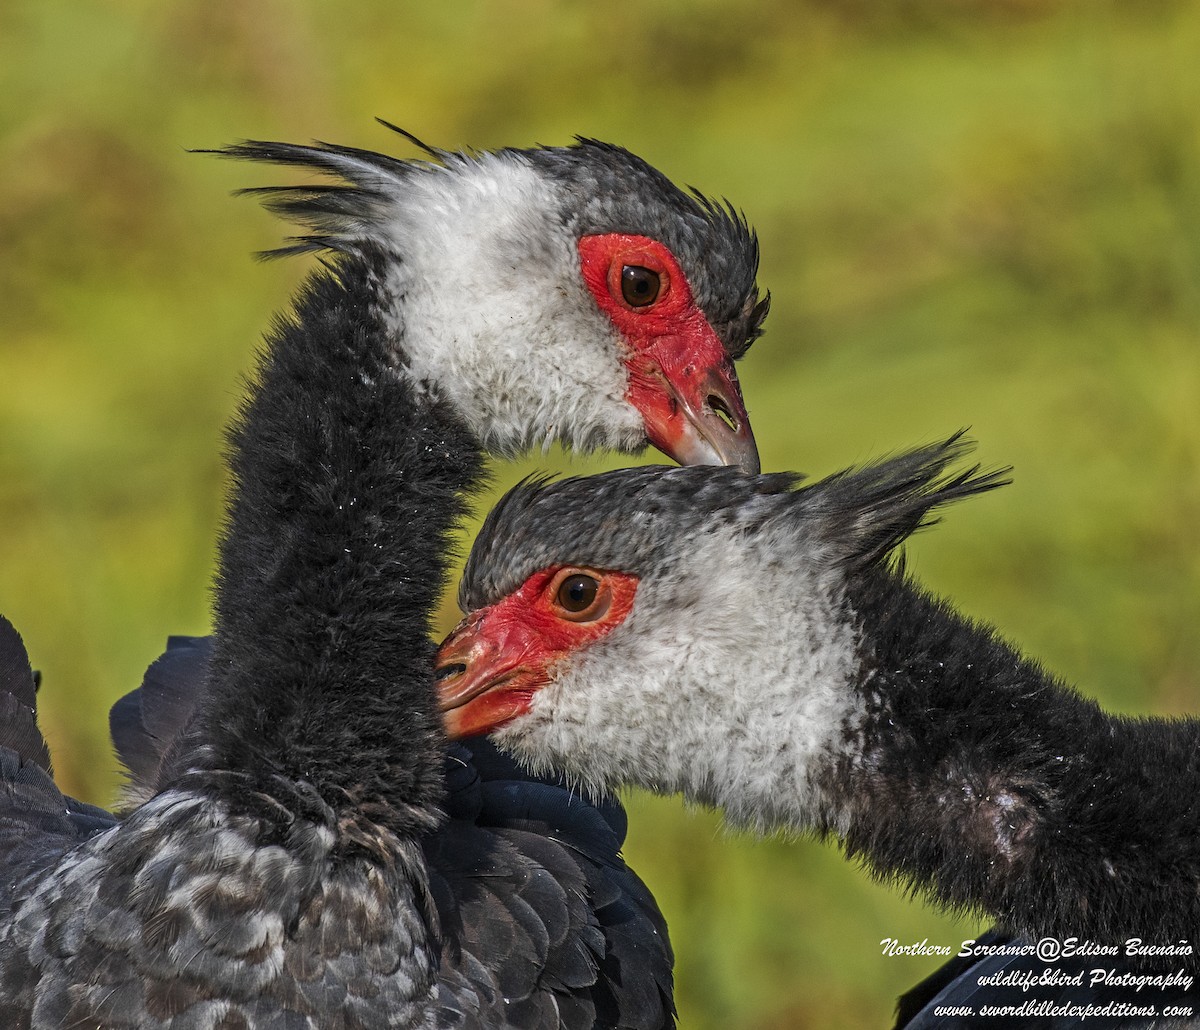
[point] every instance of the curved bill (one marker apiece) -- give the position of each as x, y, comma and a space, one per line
480, 680
691, 401
714, 428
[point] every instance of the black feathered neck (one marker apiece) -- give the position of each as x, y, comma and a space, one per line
346, 484
981, 779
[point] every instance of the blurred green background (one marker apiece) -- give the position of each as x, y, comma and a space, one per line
976, 213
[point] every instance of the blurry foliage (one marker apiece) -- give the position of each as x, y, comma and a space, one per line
972, 213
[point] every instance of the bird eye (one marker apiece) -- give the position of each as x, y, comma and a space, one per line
577, 593
639, 286
580, 594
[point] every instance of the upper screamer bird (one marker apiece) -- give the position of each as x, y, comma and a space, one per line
287, 871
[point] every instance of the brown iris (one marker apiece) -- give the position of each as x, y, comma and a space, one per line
639, 286
577, 593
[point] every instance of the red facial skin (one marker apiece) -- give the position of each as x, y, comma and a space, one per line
508, 649
680, 375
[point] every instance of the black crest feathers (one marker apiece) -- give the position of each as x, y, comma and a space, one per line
865, 513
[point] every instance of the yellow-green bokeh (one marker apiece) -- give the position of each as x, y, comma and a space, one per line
979, 213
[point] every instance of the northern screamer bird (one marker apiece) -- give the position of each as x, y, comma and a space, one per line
291, 867
753, 647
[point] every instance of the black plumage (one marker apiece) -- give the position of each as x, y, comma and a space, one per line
529, 883
991, 784
278, 879
534, 901
18, 700
32, 804
147, 724
279, 876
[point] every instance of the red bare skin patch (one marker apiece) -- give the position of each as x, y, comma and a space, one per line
603, 258
500, 656
681, 378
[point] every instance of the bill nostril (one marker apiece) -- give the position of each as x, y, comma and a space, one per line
721, 410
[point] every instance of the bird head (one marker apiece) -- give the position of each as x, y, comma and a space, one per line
640, 626
555, 294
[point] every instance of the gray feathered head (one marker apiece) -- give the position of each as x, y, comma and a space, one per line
651, 517
554, 293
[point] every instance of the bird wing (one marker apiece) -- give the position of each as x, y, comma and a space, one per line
37, 821
528, 878
147, 724
542, 922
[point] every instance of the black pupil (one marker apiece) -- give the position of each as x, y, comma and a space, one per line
639, 285
577, 593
